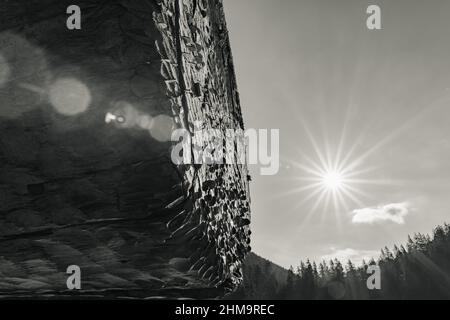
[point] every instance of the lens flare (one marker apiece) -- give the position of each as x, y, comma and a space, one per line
69, 96
127, 116
333, 180
162, 128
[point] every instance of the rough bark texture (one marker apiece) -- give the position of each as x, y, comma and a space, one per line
76, 190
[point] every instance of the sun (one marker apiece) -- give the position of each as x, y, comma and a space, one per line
333, 175
333, 180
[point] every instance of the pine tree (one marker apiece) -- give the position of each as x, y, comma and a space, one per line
397, 252
410, 245
439, 234
308, 282
403, 250
388, 254
302, 269
350, 268
315, 271
288, 292
339, 273
406, 273
383, 255
323, 270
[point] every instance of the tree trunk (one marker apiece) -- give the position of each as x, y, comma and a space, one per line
86, 176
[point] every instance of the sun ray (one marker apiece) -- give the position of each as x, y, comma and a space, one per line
352, 197
343, 201
315, 145
342, 139
350, 153
304, 178
358, 191
318, 168
312, 168
298, 190
329, 166
328, 199
388, 138
306, 219
355, 173
335, 200
319, 200
309, 197
337, 211
334, 179
381, 182
340, 149
307, 169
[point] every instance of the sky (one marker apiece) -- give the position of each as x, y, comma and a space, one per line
378, 99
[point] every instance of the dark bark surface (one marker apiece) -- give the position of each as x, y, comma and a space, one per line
104, 195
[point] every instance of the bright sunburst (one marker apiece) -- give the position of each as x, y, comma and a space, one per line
332, 183
333, 179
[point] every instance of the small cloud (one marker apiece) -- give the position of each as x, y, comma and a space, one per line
395, 212
356, 256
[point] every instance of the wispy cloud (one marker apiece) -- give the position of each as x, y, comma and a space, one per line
356, 256
394, 212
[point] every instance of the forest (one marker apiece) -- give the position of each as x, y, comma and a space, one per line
420, 269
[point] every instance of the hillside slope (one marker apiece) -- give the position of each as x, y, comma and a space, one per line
263, 279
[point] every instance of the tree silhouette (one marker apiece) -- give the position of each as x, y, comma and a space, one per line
421, 270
